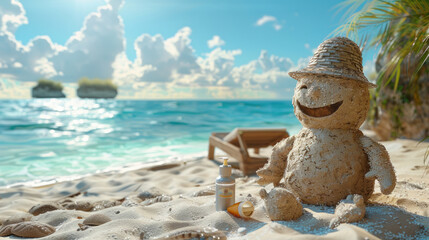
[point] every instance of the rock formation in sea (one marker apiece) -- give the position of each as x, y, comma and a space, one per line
89, 92
47, 89
96, 88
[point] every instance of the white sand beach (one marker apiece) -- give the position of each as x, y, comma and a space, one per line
176, 201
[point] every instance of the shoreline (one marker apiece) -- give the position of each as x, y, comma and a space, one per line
129, 167
133, 166
164, 198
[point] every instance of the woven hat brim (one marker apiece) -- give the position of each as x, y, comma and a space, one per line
302, 73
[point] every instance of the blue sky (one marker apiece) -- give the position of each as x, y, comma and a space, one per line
252, 41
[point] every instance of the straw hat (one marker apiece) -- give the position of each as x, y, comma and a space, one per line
339, 57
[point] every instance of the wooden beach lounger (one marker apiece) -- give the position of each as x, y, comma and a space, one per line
237, 142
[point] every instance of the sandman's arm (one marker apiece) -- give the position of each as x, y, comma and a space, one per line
273, 171
380, 166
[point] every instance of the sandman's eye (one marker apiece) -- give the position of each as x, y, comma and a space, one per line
303, 87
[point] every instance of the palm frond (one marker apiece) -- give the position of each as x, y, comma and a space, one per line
403, 29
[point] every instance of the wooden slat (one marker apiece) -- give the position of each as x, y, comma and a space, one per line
243, 147
211, 151
237, 142
220, 134
257, 138
255, 131
228, 148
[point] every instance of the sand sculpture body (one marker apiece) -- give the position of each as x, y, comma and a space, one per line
324, 166
330, 158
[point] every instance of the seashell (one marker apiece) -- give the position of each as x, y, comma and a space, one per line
241, 209
6, 230
67, 200
69, 205
64, 203
96, 219
105, 204
17, 219
84, 206
76, 205
32, 229
162, 198
194, 233
131, 202
42, 208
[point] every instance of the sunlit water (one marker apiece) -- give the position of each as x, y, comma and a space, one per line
43, 140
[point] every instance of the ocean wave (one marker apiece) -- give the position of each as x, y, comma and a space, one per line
31, 126
72, 137
175, 112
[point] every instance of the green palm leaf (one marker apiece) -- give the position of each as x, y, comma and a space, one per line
400, 29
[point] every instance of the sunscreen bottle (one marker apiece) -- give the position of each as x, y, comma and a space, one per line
225, 187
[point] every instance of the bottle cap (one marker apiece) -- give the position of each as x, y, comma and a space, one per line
242, 209
225, 169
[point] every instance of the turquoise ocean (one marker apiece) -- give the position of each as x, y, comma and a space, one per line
48, 140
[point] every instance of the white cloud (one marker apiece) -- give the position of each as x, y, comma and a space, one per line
266, 74
89, 52
14, 89
163, 68
157, 60
306, 45
265, 19
17, 65
369, 66
369, 69
25, 57
18, 60
274, 62
12, 15
126, 72
216, 67
45, 67
216, 41
115, 4
156, 71
92, 50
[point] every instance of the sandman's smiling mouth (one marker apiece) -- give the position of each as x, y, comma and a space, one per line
320, 111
